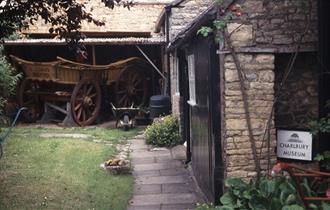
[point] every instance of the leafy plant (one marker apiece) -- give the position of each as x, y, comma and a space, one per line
8, 79
324, 159
206, 206
276, 193
235, 11
164, 133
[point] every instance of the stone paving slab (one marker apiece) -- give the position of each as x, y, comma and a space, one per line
174, 172
178, 207
160, 179
151, 207
147, 189
177, 188
157, 166
170, 198
142, 160
141, 147
144, 154
146, 173
165, 159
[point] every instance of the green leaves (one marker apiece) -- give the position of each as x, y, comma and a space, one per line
293, 207
8, 79
204, 31
272, 194
164, 133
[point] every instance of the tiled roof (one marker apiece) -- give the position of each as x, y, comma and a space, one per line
92, 41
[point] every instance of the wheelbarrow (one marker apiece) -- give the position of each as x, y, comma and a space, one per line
125, 115
9, 129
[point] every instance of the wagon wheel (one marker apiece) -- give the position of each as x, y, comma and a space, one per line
28, 97
131, 87
86, 101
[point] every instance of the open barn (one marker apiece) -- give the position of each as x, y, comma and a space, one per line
126, 42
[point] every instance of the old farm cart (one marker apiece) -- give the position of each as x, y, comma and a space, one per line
82, 85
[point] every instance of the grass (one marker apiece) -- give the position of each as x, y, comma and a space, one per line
62, 173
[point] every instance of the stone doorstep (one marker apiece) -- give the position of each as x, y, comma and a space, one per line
170, 198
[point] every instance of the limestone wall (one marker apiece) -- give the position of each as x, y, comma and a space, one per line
187, 11
273, 27
277, 24
259, 84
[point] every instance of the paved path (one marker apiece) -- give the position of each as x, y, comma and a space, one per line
161, 180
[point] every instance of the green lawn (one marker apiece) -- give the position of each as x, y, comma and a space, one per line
62, 173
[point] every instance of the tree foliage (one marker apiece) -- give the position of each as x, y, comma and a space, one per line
64, 17
8, 79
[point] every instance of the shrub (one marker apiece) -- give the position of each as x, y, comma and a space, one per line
277, 193
8, 79
164, 133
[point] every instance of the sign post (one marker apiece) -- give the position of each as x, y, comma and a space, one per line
293, 144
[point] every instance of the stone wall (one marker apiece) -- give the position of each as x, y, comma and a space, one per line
183, 14
298, 99
277, 24
259, 84
272, 26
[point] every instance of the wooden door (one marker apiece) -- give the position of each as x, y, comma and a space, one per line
204, 109
324, 66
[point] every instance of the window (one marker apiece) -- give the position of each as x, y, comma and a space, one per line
192, 83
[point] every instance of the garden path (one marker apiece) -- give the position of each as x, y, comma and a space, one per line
161, 180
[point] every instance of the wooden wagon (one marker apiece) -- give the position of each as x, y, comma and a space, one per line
82, 85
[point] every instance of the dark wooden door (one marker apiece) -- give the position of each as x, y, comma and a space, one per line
324, 66
204, 117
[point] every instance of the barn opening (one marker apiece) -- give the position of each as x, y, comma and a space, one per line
97, 54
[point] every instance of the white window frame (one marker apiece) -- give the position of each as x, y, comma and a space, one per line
192, 79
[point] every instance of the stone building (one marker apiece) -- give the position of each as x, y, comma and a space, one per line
227, 117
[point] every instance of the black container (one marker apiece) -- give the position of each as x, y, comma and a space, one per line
159, 105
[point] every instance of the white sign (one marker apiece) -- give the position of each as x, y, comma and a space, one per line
293, 144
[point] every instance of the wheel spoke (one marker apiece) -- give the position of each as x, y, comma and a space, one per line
89, 90
137, 82
79, 113
77, 106
121, 92
121, 100
84, 114
93, 95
